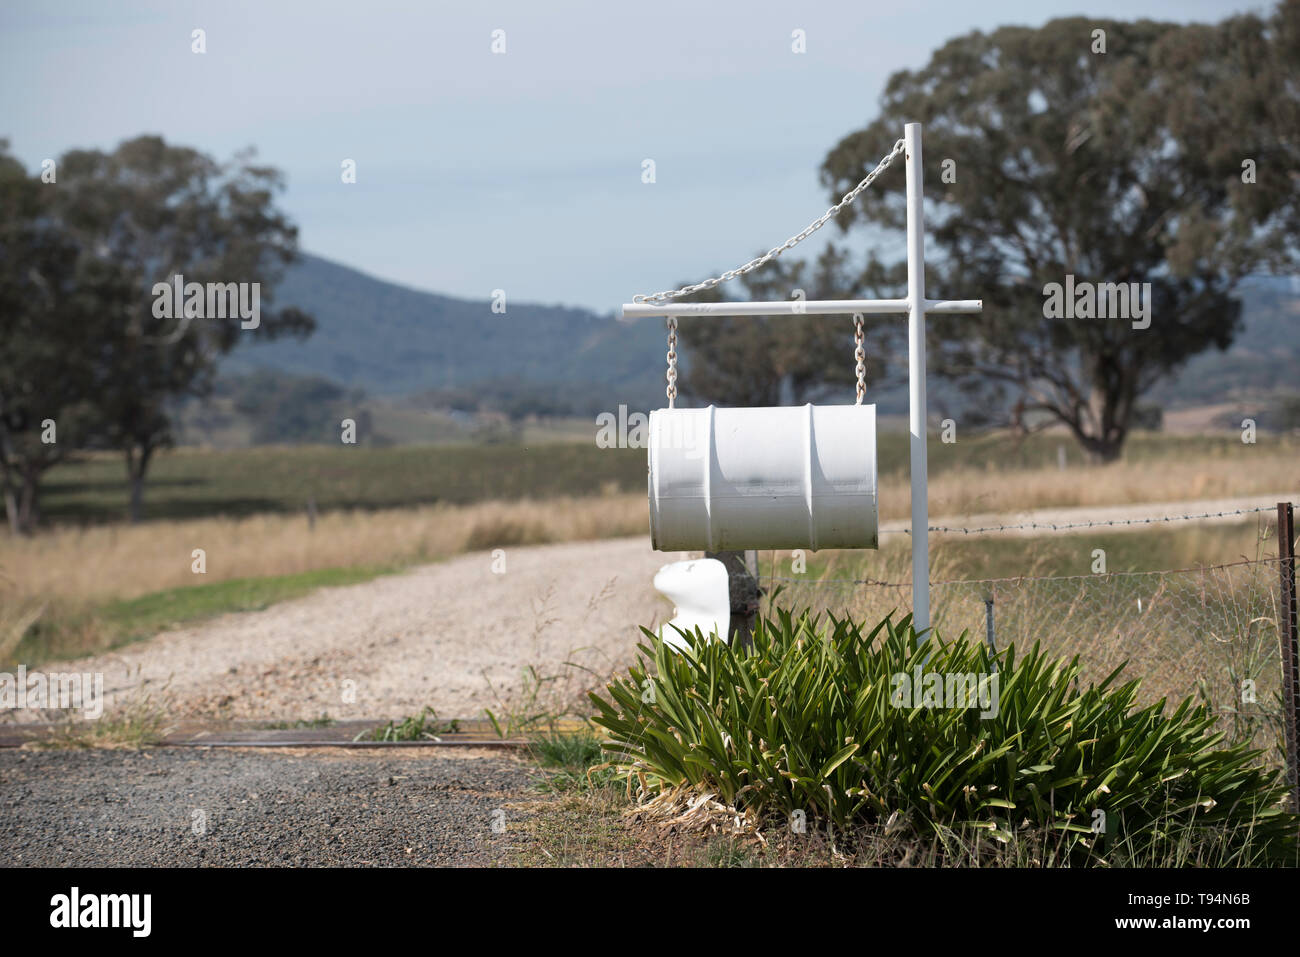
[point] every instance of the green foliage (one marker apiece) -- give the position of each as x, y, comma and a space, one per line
51, 319
74, 632
569, 759
96, 351
1147, 415
287, 409
424, 726
192, 483
1048, 157
324, 721
806, 720
1262, 359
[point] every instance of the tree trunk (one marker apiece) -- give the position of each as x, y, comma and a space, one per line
1101, 450
137, 463
20, 480
137, 498
29, 509
6, 481
11, 510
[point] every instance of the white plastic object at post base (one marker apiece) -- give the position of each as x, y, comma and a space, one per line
785, 477
701, 599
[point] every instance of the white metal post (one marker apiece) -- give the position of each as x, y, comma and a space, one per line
916, 377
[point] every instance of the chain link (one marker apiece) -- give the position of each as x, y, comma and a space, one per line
795, 240
860, 354
672, 361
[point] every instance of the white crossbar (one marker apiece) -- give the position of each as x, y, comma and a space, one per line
814, 307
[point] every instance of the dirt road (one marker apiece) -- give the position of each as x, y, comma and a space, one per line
456, 636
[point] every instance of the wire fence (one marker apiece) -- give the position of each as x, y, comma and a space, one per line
1213, 633
1094, 523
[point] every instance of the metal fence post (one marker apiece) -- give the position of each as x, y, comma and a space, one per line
1290, 646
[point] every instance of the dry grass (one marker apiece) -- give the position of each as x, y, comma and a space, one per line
110, 562
969, 491
140, 722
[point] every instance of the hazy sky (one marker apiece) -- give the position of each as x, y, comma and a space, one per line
519, 171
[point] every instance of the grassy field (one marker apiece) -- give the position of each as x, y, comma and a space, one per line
188, 483
959, 557
981, 473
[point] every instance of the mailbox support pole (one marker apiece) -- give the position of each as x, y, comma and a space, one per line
744, 592
917, 414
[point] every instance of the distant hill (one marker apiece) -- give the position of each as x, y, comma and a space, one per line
390, 340
1263, 359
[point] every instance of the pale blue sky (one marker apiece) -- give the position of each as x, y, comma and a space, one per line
479, 171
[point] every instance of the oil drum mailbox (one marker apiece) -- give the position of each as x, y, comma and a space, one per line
736, 479
732, 479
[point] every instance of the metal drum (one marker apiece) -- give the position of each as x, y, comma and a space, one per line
790, 477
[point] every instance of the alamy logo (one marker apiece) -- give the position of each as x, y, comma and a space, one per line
103, 910
937, 689
54, 690
179, 299
687, 433
1105, 300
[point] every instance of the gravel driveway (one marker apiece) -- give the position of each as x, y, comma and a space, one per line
443, 635
241, 808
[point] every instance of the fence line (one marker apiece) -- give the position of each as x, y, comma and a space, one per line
1211, 632
1063, 526
1019, 578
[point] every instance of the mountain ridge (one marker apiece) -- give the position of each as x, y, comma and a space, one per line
392, 340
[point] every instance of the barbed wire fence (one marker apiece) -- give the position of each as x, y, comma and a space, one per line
1216, 633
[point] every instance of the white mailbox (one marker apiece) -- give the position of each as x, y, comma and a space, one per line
790, 477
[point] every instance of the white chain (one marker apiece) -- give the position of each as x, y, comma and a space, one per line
771, 254
672, 361
860, 353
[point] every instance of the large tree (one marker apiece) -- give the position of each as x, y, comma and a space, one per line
1122, 166
156, 212
51, 321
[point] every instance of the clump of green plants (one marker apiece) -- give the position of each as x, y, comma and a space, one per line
324, 721
570, 760
424, 726
854, 730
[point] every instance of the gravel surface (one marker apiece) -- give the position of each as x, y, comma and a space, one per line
443, 635
258, 808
